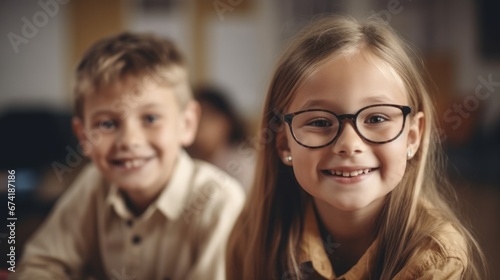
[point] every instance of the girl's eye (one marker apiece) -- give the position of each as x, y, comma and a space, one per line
320, 123
376, 119
107, 124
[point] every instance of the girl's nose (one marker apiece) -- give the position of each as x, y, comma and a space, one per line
348, 142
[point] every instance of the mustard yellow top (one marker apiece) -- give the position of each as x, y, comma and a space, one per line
440, 262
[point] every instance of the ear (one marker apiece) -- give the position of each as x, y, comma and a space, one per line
282, 146
415, 132
190, 121
78, 129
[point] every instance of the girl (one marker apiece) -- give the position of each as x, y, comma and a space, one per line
347, 183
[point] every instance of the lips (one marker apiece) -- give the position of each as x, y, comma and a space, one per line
348, 172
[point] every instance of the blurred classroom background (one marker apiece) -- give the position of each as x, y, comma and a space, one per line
233, 44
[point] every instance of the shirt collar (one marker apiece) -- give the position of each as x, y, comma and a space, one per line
313, 249
116, 200
172, 198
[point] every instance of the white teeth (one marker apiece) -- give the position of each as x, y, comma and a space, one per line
350, 173
133, 163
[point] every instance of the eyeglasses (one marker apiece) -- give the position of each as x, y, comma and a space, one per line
317, 128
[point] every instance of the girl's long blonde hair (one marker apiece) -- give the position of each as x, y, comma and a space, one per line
264, 241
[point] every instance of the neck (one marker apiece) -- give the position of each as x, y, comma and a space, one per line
138, 202
354, 231
348, 225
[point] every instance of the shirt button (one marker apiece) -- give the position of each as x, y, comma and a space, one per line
130, 223
136, 239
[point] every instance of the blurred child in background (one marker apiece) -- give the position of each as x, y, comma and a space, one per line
221, 138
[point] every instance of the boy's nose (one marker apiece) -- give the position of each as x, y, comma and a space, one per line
348, 142
130, 136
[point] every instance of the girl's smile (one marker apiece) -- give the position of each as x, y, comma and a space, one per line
349, 175
351, 172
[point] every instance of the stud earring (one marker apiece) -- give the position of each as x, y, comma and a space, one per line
288, 158
409, 155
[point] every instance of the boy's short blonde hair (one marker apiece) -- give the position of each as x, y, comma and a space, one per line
142, 56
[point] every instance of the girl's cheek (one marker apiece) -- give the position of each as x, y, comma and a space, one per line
395, 171
392, 160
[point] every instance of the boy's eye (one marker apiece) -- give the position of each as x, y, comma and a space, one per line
107, 124
376, 119
151, 118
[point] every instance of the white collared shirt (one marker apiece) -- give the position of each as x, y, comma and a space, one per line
182, 235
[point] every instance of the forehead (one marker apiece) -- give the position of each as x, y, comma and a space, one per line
128, 95
345, 83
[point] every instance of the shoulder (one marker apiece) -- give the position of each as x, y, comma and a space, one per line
212, 181
90, 175
444, 258
87, 187
215, 195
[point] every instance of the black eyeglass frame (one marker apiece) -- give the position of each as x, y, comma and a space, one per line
288, 118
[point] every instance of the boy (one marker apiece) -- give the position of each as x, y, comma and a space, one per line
143, 209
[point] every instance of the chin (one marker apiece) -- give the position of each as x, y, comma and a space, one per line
127, 187
349, 206
131, 187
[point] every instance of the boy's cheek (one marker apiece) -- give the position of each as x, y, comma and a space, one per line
98, 151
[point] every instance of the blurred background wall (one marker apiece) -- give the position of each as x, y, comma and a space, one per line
230, 42
233, 44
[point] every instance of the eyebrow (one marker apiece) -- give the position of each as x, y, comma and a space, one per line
312, 104
102, 112
120, 111
149, 105
376, 99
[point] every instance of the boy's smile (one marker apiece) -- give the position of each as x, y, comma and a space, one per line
133, 163
141, 129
